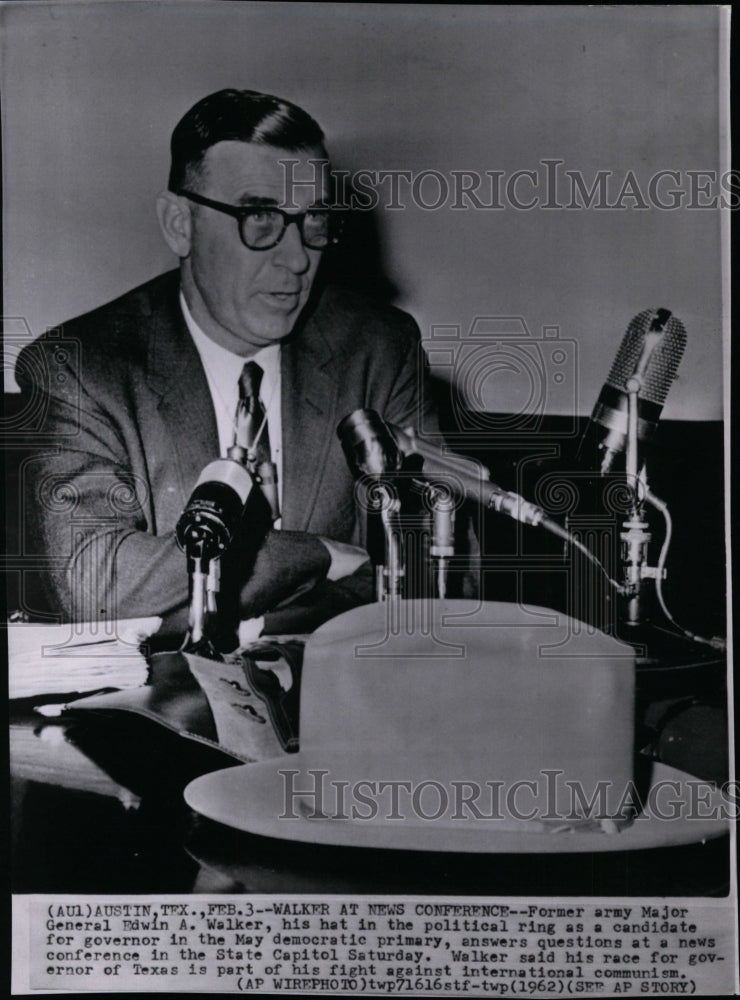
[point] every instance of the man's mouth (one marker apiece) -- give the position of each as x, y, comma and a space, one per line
287, 298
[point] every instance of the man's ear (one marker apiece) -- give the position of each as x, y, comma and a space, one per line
175, 222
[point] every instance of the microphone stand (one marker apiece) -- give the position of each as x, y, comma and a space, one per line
389, 574
635, 536
204, 536
442, 545
204, 574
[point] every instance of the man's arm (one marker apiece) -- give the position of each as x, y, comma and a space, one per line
84, 506
326, 600
411, 400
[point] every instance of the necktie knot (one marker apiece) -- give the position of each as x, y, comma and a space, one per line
250, 381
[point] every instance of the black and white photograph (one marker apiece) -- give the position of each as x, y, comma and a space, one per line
366, 457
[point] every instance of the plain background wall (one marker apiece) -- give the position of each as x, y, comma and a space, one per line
91, 91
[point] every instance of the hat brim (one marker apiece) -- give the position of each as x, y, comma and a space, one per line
250, 798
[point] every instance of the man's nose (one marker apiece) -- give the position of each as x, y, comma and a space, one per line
290, 251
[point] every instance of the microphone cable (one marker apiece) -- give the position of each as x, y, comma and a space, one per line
570, 539
716, 642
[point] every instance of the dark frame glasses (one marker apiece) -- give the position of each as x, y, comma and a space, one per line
326, 222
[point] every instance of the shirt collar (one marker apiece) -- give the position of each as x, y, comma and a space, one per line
218, 359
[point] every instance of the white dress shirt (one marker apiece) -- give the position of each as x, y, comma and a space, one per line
223, 369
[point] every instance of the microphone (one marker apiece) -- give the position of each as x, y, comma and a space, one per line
650, 352
265, 475
211, 518
375, 447
368, 444
371, 451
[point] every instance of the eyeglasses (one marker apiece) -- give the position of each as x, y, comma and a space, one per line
262, 228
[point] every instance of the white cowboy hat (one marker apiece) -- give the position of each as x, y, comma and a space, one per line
462, 726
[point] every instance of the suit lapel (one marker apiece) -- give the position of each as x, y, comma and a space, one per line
309, 417
176, 374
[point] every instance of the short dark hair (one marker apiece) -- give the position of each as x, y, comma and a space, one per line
244, 116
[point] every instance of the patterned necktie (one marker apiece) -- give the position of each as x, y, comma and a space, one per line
251, 424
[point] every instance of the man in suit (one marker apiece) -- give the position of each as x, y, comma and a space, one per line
147, 395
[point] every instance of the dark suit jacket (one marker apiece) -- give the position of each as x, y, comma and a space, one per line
130, 425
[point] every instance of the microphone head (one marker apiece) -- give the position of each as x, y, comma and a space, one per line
649, 354
368, 444
210, 521
651, 348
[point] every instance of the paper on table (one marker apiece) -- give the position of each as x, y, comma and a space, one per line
51, 659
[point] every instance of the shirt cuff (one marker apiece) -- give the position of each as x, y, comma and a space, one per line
250, 629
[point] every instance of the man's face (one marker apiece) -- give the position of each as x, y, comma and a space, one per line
246, 299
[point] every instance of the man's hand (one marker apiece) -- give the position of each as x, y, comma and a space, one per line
300, 580
345, 559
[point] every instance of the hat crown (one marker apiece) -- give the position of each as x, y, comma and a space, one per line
467, 691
